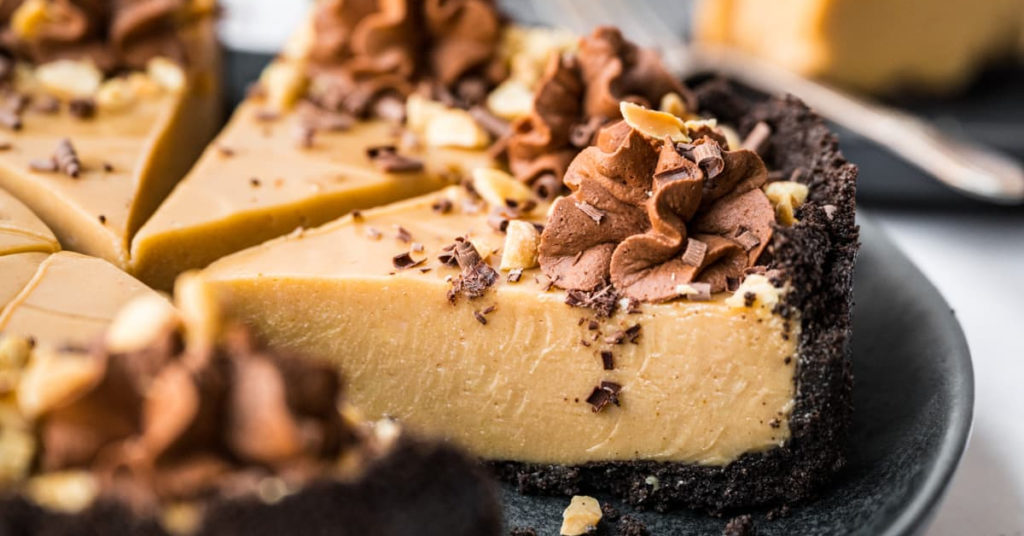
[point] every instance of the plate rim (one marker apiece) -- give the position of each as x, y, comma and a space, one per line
921, 509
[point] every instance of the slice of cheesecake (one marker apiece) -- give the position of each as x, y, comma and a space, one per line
327, 130
683, 341
22, 231
64, 297
929, 46
105, 108
164, 426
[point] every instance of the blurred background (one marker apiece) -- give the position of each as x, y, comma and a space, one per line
928, 98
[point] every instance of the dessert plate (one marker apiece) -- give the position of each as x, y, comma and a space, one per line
913, 397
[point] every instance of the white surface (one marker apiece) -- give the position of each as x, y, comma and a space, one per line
260, 25
977, 262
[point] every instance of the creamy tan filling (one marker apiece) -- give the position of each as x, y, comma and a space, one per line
256, 183
704, 383
69, 300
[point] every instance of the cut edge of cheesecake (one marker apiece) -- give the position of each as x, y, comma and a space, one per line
21, 231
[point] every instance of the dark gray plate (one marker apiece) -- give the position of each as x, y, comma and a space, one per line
913, 396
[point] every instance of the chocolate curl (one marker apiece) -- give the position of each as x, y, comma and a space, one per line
708, 156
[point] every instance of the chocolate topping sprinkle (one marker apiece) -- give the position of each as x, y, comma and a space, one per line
10, 119
402, 234
43, 165
387, 159
708, 156
607, 360
703, 291
748, 240
476, 275
602, 300
443, 205
46, 104
82, 108
604, 394
494, 125
67, 159
757, 138
515, 275
695, 252
594, 213
480, 317
404, 261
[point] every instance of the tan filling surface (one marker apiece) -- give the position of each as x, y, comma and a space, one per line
874, 45
17, 270
69, 300
705, 383
219, 208
150, 146
20, 230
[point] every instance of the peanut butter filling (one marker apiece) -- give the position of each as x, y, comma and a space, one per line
514, 373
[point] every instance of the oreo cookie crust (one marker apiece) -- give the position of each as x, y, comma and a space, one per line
817, 254
419, 488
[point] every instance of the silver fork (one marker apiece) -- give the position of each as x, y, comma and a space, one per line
970, 168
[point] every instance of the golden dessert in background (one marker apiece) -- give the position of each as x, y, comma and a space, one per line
878, 46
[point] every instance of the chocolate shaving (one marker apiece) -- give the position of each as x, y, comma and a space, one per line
757, 138
515, 275
417, 247
46, 104
582, 135
603, 395
633, 333
498, 220
492, 124
373, 233
387, 159
305, 135
708, 155
443, 205
390, 108
480, 317
591, 211
67, 159
547, 186
5, 146
82, 108
43, 165
695, 252
703, 291
602, 301
748, 240
476, 276
607, 360
225, 151
10, 119
402, 234
405, 261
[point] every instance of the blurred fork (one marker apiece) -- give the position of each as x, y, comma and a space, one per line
968, 167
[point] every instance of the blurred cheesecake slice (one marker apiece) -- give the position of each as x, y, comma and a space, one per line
870, 45
101, 122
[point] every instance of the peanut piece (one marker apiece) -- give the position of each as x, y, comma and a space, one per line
70, 78
654, 124
511, 100
28, 18
581, 516
68, 491
786, 197
141, 322
521, 242
166, 73
52, 379
284, 82
497, 187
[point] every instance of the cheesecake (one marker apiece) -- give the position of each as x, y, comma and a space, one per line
105, 106
673, 329
166, 425
925, 46
21, 231
367, 104
51, 295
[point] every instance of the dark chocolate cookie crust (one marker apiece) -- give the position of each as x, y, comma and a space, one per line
419, 488
817, 254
